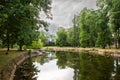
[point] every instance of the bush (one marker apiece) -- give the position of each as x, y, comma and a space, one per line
37, 44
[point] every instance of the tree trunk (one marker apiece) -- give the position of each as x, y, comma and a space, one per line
109, 46
119, 43
103, 47
8, 47
12, 45
20, 47
115, 43
118, 39
8, 43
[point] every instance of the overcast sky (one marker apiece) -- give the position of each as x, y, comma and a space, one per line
63, 12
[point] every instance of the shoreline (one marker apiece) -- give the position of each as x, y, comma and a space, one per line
8, 72
109, 52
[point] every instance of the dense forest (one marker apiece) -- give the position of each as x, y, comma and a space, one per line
94, 28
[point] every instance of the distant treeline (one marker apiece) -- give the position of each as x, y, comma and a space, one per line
94, 28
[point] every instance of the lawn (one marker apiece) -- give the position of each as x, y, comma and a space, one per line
5, 59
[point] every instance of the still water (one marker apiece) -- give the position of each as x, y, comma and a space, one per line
69, 66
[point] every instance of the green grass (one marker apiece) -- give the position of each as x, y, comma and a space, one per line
5, 59
79, 48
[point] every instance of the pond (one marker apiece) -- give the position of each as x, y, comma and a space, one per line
69, 66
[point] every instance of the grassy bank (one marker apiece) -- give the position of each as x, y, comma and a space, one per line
77, 49
5, 59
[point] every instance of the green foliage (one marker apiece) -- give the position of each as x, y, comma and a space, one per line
76, 32
19, 20
61, 39
91, 27
37, 44
70, 37
92, 30
111, 8
76, 37
19, 23
104, 32
84, 39
87, 25
114, 21
44, 38
100, 41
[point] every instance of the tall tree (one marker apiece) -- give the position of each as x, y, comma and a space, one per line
61, 39
70, 37
76, 32
104, 33
21, 16
84, 29
44, 38
87, 26
114, 20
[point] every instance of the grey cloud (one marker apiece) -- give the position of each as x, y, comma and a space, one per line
64, 10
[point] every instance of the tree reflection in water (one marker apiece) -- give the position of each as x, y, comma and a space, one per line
117, 69
85, 66
96, 67
26, 71
90, 66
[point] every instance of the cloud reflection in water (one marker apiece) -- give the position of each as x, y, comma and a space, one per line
50, 71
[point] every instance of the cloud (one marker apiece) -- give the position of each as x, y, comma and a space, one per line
64, 10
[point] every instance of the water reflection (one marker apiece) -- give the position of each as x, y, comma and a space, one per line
86, 66
26, 71
74, 66
49, 71
117, 69
95, 67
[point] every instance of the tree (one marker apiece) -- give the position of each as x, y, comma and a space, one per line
114, 19
44, 38
76, 32
84, 36
87, 25
70, 37
61, 39
90, 21
21, 16
37, 44
84, 39
104, 33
